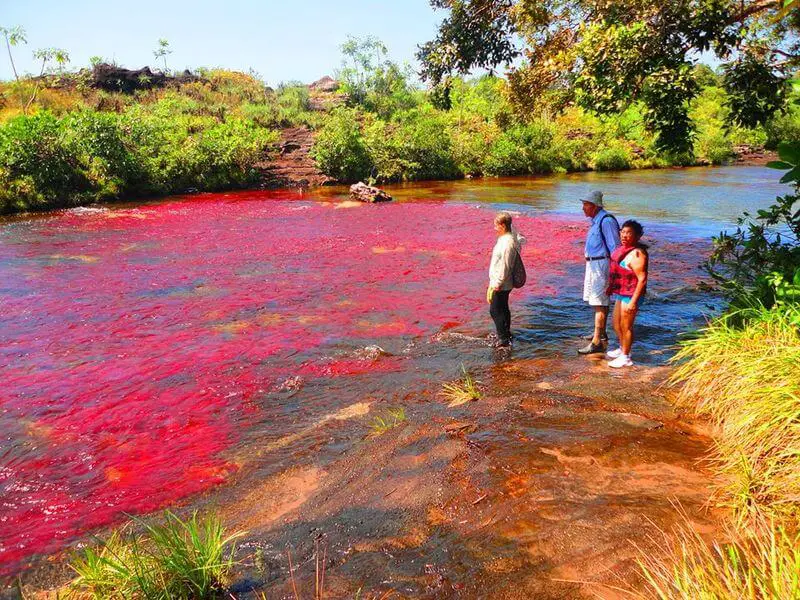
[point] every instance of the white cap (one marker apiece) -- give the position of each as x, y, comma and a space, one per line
595, 197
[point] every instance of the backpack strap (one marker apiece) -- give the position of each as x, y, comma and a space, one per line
603, 235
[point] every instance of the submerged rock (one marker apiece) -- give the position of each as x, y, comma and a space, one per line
367, 193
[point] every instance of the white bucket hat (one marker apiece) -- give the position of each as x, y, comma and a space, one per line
595, 197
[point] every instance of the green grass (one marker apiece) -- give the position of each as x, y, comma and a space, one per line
177, 559
746, 380
383, 423
761, 565
743, 373
461, 392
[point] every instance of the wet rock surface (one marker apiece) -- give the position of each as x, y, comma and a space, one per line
367, 193
527, 493
535, 491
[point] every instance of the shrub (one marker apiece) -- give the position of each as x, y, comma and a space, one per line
764, 247
613, 158
416, 146
524, 149
99, 140
784, 127
715, 147
339, 148
39, 169
471, 142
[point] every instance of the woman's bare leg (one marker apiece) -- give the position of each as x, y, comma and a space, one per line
616, 321
627, 317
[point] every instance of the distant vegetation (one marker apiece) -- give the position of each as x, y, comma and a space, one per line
391, 131
64, 142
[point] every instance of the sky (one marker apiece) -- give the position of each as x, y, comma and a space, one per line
282, 40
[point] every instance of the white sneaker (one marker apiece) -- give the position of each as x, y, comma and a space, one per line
614, 353
621, 361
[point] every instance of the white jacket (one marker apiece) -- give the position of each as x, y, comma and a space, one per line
503, 255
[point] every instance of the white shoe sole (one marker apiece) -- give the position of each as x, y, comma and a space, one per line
628, 363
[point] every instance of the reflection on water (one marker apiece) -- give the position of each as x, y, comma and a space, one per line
146, 351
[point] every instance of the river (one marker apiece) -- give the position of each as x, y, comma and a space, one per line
152, 351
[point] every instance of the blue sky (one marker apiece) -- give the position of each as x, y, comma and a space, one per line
281, 40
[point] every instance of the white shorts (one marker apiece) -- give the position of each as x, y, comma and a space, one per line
595, 283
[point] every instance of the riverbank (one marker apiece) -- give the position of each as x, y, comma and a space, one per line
543, 488
75, 144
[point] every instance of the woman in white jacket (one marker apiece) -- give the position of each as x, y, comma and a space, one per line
501, 267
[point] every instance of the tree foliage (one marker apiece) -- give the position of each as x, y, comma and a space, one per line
760, 261
606, 55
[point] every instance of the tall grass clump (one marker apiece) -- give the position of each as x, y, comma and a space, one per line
763, 564
743, 373
463, 391
179, 559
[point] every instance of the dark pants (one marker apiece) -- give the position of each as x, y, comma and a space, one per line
501, 315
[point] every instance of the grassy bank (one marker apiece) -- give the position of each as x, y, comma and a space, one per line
742, 373
79, 145
64, 143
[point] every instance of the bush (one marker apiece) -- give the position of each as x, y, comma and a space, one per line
110, 165
784, 127
339, 149
765, 247
39, 168
613, 158
715, 147
524, 149
416, 146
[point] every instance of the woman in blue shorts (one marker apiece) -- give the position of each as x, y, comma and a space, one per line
626, 287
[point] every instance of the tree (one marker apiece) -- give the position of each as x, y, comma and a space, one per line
14, 36
373, 81
603, 55
162, 52
360, 59
46, 55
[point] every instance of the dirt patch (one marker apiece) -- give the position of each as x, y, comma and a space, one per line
290, 163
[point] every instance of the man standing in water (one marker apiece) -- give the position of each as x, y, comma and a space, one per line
505, 253
601, 241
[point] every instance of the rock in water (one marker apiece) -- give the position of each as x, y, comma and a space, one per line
367, 193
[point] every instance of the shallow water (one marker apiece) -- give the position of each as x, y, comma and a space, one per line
148, 351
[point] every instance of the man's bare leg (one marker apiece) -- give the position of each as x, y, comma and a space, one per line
600, 319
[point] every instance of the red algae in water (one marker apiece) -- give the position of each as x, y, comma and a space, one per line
135, 341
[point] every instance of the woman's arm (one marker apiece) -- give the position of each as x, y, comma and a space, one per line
502, 262
638, 264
